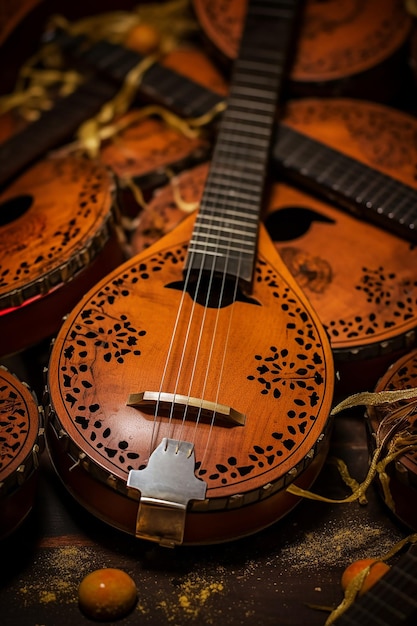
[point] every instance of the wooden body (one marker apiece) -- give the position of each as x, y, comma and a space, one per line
343, 46
402, 374
270, 361
58, 237
21, 443
360, 279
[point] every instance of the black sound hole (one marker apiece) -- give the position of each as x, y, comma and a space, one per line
289, 223
14, 208
221, 292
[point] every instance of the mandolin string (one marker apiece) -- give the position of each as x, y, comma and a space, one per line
188, 324
196, 353
208, 365
223, 359
165, 369
214, 202
197, 361
180, 323
229, 153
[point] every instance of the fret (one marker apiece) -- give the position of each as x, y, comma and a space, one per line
261, 113
207, 230
229, 171
229, 237
253, 67
260, 83
217, 213
252, 94
246, 129
226, 195
253, 172
236, 223
406, 210
256, 143
222, 182
223, 253
224, 202
359, 188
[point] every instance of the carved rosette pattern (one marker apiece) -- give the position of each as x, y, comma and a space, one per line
386, 285
99, 335
14, 424
381, 290
54, 237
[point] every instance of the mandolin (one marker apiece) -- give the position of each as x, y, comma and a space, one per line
361, 280
59, 235
344, 48
194, 383
21, 444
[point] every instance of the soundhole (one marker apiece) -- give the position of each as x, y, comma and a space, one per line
14, 208
214, 292
291, 223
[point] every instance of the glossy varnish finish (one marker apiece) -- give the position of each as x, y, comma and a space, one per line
360, 279
21, 443
58, 237
210, 313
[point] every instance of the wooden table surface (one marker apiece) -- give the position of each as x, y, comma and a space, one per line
274, 577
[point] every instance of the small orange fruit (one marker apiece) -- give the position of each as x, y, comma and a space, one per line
377, 569
107, 594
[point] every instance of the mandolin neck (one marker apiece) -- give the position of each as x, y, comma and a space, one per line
225, 234
362, 190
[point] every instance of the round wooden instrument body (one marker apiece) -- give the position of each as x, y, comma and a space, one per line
361, 280
341, 46
268, 359
21, 443
402, 374
59, 236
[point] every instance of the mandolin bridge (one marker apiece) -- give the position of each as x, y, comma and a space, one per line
181, 406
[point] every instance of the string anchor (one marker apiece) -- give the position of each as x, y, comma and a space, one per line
167, 484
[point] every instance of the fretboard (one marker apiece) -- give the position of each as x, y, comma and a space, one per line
360, 189
225, 233
54, 127
159, 84
392, 601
